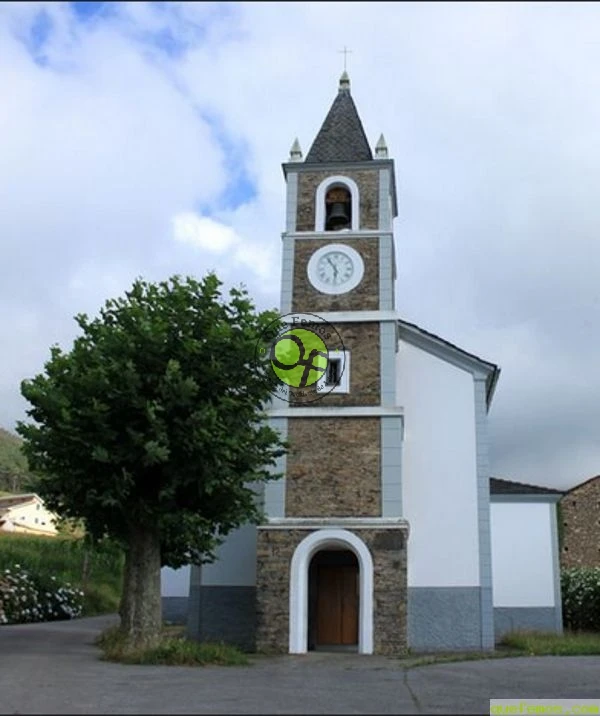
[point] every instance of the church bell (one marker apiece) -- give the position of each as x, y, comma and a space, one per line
338, 216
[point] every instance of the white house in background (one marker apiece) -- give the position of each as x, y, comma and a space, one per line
28, 514
381, 535
525, 557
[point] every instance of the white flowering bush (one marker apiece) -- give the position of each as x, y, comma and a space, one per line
25, 598
580, 587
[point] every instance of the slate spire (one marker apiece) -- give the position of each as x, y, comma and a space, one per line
341, 137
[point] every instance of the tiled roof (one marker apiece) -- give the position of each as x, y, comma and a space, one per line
499, 486
13, 500
341, 137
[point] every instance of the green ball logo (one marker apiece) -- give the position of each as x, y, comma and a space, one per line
299, 357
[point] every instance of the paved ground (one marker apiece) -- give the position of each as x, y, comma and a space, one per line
54, 668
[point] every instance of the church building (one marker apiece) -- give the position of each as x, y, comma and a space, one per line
385, 532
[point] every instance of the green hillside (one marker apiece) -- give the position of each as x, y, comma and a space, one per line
13, 465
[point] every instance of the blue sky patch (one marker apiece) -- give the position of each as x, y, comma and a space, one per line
241, 188
86, 10
39, 32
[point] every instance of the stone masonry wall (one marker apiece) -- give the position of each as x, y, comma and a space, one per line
579, 512
361, 340
388, 550
333, 467
368, 187
365, 297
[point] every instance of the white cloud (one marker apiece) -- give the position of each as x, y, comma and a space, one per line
204, 233
214, 237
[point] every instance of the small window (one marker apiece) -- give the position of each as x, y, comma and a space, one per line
36, 520
336, 378
37, 507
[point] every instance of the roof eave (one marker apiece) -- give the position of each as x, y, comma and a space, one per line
452, 354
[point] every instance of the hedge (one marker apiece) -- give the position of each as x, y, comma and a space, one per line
580, 587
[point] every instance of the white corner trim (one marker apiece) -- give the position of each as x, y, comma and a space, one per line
329, 411
320, 200
346, 233
345, 316
304, 552
357, 523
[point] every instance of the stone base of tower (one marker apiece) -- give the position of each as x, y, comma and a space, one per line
332, 584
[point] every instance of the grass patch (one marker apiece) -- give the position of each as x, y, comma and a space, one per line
412, 662
98, 571
173, 650
531, 643
517, 644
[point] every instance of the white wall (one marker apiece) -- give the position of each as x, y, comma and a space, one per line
439, 475
236, 563
522, 557
175, 582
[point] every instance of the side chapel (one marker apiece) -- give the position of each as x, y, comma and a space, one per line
379, 536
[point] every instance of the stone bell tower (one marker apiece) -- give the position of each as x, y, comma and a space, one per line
331, 557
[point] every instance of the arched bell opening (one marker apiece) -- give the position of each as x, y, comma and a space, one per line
328, 216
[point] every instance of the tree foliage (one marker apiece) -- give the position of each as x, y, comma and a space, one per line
153, 421
14, 471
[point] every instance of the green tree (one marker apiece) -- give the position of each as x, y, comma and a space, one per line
14, 475
151, 430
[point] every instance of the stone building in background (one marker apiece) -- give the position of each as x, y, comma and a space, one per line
580, 525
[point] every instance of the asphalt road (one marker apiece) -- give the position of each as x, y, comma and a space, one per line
54, 668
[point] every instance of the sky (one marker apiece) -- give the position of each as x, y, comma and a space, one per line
146, 139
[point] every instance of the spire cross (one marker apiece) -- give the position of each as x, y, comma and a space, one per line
345, 52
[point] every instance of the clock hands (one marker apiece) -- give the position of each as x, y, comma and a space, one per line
333, 266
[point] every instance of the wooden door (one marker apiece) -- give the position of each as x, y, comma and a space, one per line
337, 605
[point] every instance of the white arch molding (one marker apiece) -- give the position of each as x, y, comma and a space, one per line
299, 586
320, 200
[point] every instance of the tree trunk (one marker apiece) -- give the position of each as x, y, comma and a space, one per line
126, 603
140, 607
85, 568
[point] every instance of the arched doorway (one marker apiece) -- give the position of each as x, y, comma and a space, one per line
333, 600
329, 540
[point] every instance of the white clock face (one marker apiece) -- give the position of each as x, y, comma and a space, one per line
335, 268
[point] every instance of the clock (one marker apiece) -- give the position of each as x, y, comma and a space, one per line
335, 268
